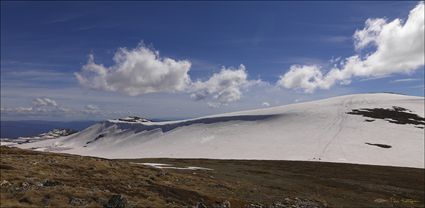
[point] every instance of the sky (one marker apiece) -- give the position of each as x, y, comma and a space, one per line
170, 60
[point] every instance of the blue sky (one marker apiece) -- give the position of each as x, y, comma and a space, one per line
44, 43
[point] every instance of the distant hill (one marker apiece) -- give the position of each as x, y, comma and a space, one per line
14, 129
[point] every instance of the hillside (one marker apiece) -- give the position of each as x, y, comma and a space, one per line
39, 179
380, 129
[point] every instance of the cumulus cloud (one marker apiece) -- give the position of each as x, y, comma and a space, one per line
224, 87
141, 70
39, 102
398, 47
369, 34
302, 76
135, 72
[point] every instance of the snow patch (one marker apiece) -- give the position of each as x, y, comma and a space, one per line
168, 166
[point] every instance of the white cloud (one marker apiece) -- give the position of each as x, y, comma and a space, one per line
23, 109
224, 87
48, 106
39, 102
135, 72
91, 109
404, 80
34, 110
302, 76
265, 104
141, 71
369, 34
399, 48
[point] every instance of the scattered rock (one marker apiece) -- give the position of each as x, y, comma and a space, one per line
76, 201
298, 203
51, 183
133, 119
254, 206
39, 184
5, 183
116, 201
200, 205
289, 202
401, 109
52, 161
161, 173
25, 185
225, 204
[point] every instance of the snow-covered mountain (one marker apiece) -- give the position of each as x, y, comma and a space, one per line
379, 129
52, 134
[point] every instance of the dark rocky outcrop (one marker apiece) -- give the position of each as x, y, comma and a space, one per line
397, 115
379, 145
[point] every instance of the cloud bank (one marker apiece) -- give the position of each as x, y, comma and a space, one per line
398, 47
44, 106
41, 105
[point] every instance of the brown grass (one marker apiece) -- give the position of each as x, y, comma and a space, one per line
87, 181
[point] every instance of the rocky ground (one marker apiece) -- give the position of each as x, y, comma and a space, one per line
38, 179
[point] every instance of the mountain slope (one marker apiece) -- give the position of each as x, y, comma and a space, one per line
379, 129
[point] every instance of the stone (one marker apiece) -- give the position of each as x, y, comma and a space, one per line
116, 201
76, 201
224, 204
5, 183
200, 205
51, 183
